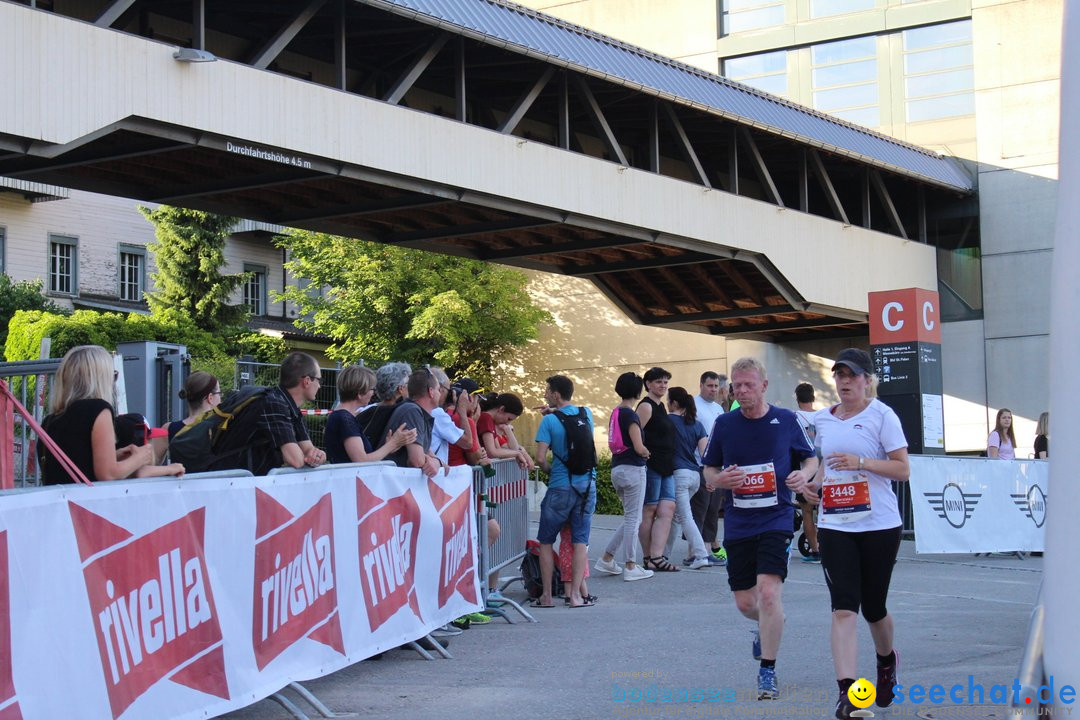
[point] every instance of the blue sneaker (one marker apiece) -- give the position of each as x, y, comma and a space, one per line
756, 646
766, 684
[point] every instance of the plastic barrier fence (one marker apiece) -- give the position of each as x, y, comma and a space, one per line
968, 505
186, 599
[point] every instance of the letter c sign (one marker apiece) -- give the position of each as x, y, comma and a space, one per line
903, 316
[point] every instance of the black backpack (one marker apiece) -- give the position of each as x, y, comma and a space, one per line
222, 438
580, 450
530, 573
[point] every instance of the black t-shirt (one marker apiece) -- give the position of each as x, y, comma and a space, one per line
660, 439
373, 421
1042, 444
340, 426
71, 431
627, 418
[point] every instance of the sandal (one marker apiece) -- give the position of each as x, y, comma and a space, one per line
660, 564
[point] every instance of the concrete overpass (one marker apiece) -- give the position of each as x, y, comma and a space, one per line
473, 128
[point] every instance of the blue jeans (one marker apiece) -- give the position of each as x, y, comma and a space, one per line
658, 487
564, 505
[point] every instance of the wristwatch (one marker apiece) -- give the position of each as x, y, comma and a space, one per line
861, 462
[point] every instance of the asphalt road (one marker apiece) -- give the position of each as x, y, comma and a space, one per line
956, 616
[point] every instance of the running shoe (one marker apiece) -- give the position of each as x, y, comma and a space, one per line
755, 647
814, 557
715, 561
447, 630
886, 681
844, 708
720, 554
609, 567
698, 563
636, 573
766, 684
478, 618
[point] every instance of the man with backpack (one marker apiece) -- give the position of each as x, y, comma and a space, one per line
571, 497
279, 423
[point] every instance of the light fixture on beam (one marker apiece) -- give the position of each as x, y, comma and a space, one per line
192, 55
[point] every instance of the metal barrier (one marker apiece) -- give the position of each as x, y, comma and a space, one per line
249, 372
30, 382
502, 497
306, 469
1032, 674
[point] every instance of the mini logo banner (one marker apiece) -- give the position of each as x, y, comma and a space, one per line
457, 571
152, 606
953, 505
295, 594
1032, 504
9, 705
387, 531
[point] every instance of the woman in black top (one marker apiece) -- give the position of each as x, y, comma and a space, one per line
1042, 437
202, 391
81, 423
659, 507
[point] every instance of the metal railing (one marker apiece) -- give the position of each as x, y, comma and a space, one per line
503, 497
30, 382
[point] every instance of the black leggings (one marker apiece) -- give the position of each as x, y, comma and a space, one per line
858, 568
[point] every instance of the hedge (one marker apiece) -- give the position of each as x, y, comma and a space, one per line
607, 500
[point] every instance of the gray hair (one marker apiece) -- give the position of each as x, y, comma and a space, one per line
389, 378
746, 364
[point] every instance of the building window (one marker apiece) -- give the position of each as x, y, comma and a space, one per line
939, 78
828, 8
255, 289
63, 265
132, 273
845, 80
767, 71
742, 15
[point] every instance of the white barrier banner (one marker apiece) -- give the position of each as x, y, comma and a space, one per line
188, 599
969, 505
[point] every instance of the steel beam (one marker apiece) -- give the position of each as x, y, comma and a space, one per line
688, 149
654, 137
734, 314
113, 12
826, 185
94, 159
517, 113
413, 73
370, 207
460, 97
563, 120
566, 247
458, 231
198, 24
804, 182
285, 35
759, 166
733, 160
341, 68
794, 325
641, 264
886, 200
601, 123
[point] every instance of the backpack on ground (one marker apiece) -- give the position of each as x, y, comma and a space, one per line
580, 450
530, 573
221, 439
616, 442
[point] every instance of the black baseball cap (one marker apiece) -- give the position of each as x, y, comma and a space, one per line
858, 361
467, 384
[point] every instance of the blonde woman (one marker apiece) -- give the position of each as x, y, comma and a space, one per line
80, 421
1042, 437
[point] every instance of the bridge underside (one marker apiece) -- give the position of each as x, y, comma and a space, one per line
714, 281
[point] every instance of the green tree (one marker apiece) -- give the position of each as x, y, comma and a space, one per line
189, 252
25, 295
388, 303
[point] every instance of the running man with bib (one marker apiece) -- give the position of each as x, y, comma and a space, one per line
759, 456
859, 524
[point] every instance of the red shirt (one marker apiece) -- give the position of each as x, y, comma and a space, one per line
486, 424
457, 454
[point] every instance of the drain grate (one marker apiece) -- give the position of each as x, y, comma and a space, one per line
970, 712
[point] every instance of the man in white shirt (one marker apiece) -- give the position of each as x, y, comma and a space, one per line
445, 431
705, 504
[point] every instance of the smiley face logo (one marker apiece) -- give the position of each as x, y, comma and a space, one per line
861, 693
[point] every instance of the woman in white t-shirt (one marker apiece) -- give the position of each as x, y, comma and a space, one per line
1001, 444
859, 525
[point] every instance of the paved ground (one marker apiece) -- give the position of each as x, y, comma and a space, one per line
956, 616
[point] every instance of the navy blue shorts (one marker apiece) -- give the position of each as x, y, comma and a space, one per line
658, 487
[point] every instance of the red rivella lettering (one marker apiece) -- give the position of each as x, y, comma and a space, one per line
297, 585
386, 565
159, 611
455, 552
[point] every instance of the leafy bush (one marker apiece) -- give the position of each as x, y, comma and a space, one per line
264, 348
25, 295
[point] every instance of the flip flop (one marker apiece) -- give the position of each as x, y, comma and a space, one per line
586, 598
586, 603
536, 604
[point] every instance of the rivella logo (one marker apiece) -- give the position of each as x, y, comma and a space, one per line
1033, 504
152, 604
953, 505
457, 571
295, 594
387, 532
9, 704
